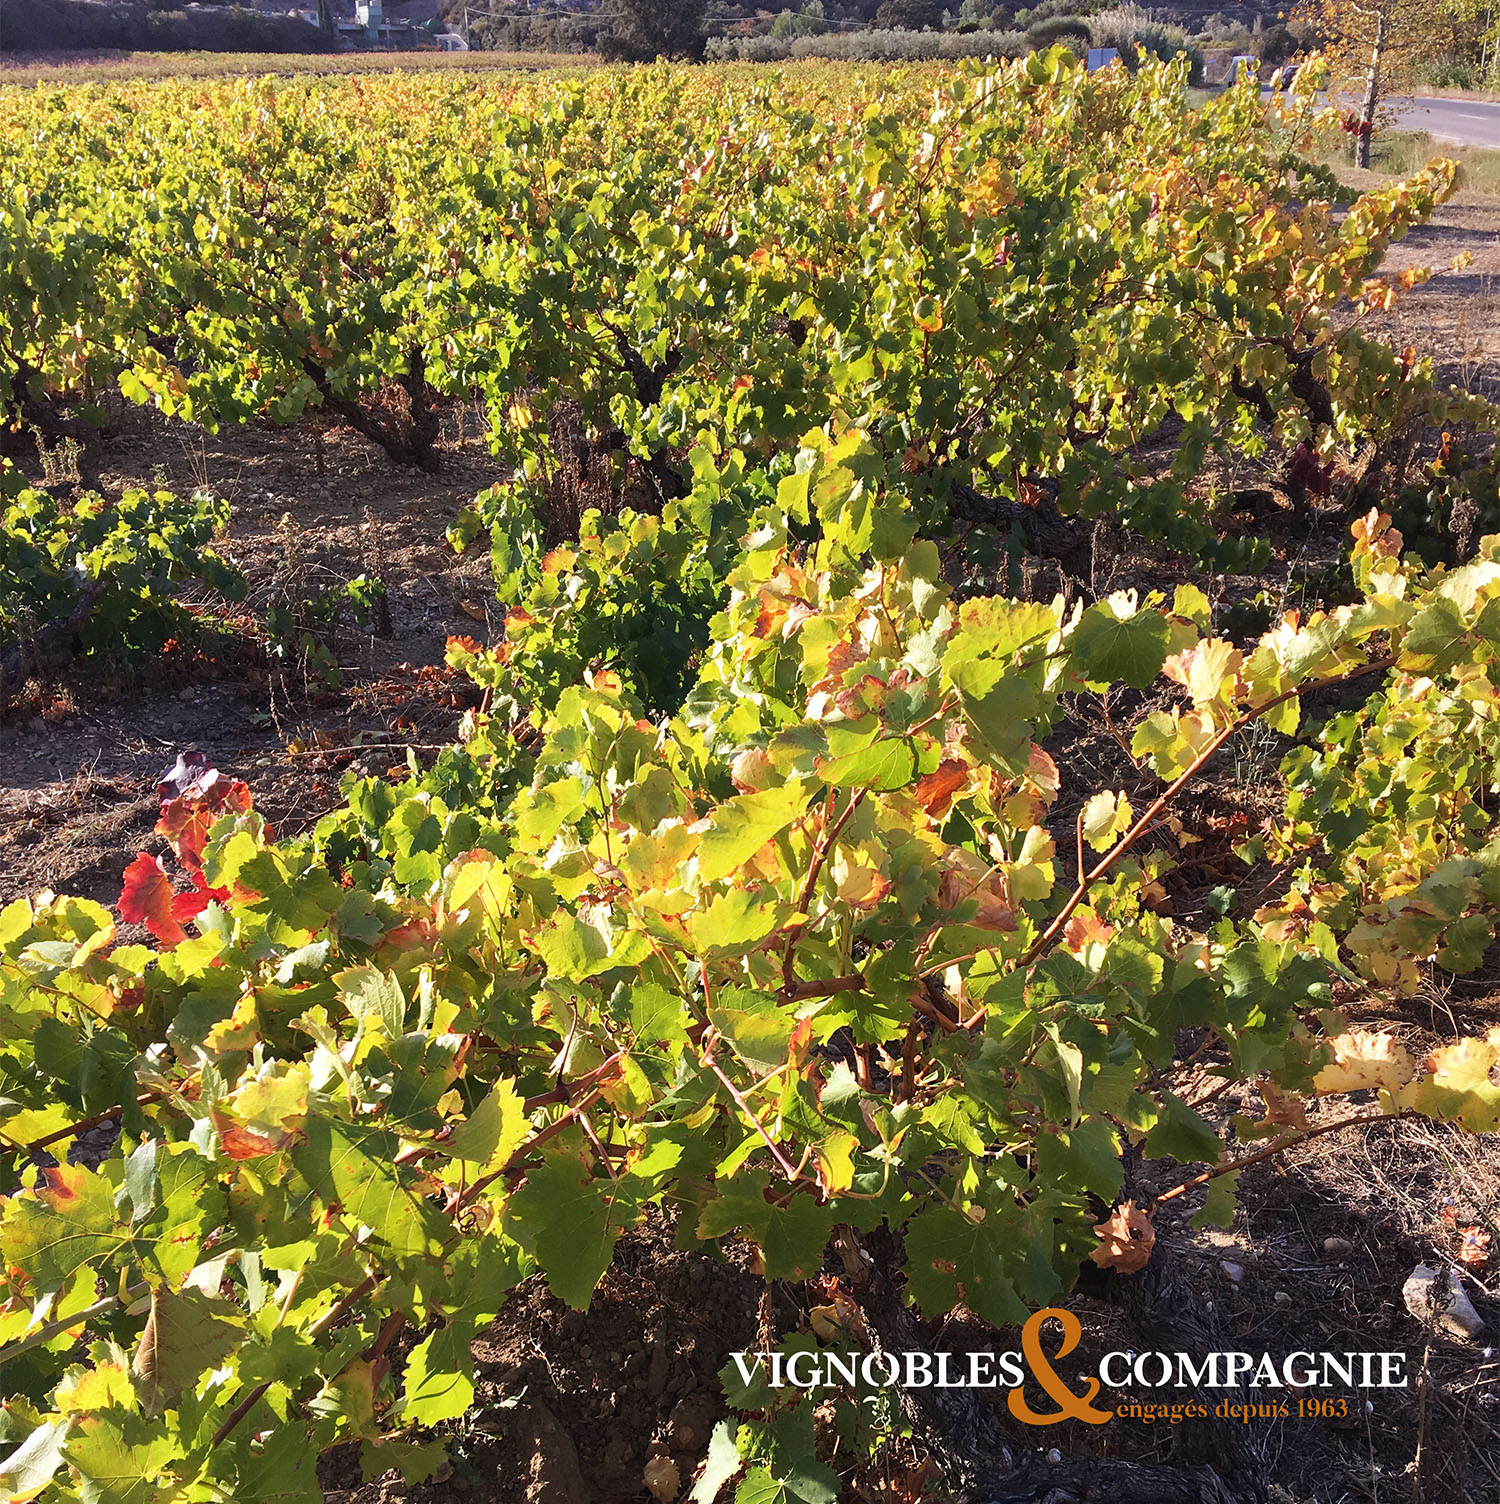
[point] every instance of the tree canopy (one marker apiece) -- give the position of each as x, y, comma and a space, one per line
641, 30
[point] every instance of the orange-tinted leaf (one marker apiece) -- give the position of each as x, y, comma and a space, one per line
1084, 929
146, 898
186, 820
1473, 1247
1042, 771
245, 1143
934, 791
968, 877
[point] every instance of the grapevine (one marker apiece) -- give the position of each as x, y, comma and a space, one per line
747, 898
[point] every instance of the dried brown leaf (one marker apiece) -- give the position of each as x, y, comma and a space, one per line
1126, 1239
660, 1475
1286, 1109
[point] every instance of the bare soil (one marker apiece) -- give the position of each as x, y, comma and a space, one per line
80, 756
1454, 318
570, 1407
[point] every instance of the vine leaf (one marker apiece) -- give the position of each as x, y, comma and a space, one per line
1126, 1238
759, 1032
559, 1217
70, 1222
351, 1169
494, 1130
999, 705
1363, 1059
576, 949
185, 1335
1457, 1084
934, 791
146, 898
1182, 1134
29, 1469
1105, 817
1113, 641
371, 996
721, 1464
882, 765
954, 1260
739, 827
1218, 1202
115, 1467
794, 1238
1433, 640
439, 1376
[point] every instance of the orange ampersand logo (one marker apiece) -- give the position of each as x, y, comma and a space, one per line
1074, 1406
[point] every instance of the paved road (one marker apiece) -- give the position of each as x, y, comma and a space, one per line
1461, 122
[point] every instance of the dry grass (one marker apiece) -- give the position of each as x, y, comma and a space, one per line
1399, 154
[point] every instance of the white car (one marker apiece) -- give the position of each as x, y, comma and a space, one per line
1242, 59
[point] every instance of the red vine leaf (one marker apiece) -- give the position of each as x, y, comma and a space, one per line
146, 897
191, 904
187, 818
